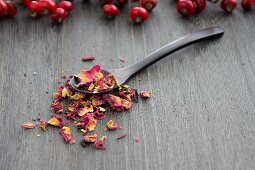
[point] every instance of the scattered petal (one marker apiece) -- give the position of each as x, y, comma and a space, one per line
57, 107
43, 125
117, 103
56, 120
111, 125
65, 132
86, 109
91, 126
122, 59
137, 140
90, 138
121, 136
88, 58
99, 144
145, 94
27, 125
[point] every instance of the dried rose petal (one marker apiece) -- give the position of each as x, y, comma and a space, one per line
111, 125
100, 86
86, 109
137, 140
65, 132
126, 104
56, 120
122, 59
73, 106
43, 125
66, 92
121, 136
88, 58
91, 87
117, 103
88, 76
91, 126
96, 72
58, 94
90, 138
99, 144
145, 94
97, 100
94, 80
128, 93
87, 122
63, 75
57, 107
111, 81
71, 115
27, 125
98, 114
113, 100
85, 78
77, 96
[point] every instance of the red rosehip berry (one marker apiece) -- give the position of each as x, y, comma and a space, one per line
138, 14
248, 4
149, 5
11, 9
110, 10
228, 5
59, 15
47, 6
199, 5
34, 9
3, 8
186, 8
66, 5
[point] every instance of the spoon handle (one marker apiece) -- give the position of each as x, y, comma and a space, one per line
205, 34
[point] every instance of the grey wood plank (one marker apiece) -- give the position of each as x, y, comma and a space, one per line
202, 115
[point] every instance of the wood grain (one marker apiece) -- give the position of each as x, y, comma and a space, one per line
202, 115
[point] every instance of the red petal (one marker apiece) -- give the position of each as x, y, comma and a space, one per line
27, 125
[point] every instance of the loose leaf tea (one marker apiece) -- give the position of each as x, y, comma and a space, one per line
85, 110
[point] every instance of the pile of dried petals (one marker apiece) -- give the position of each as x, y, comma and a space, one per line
86, 109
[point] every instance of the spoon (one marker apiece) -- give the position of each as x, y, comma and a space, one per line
123, 74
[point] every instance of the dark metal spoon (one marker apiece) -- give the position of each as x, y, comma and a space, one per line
123, 74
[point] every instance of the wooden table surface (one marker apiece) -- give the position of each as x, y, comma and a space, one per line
202, 115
